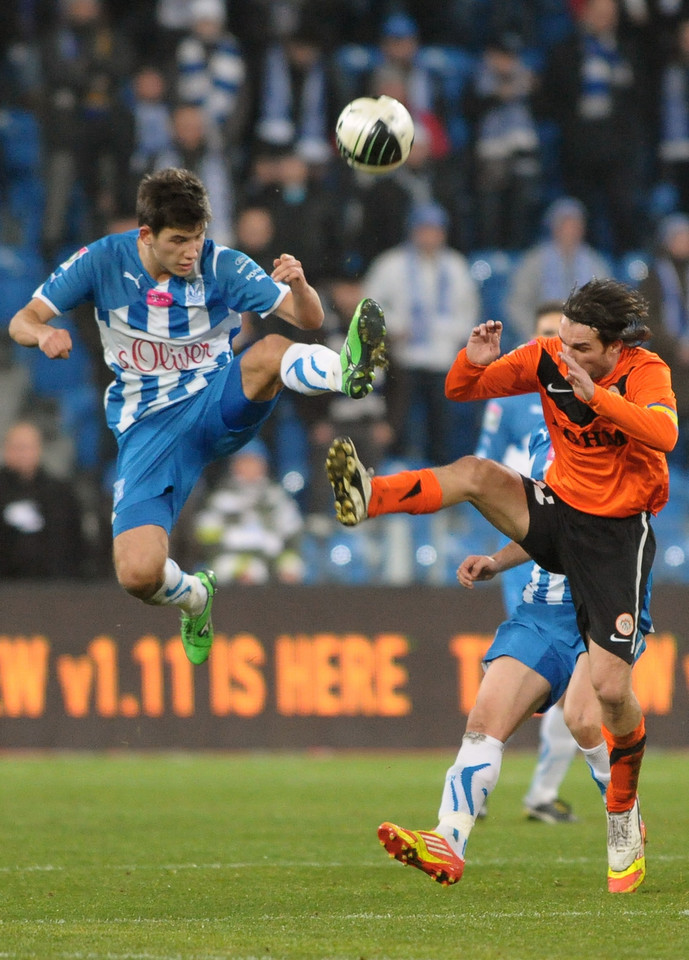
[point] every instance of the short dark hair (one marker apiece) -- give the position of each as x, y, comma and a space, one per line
548, 306
613, 309
172, 197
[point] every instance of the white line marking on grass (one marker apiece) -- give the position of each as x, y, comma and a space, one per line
239, 865
279, 917
128, 956
494, 915
379, 862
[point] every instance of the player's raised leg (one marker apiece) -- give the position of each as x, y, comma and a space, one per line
313, 369
495, 490
364, 349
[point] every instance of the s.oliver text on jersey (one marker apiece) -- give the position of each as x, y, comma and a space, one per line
146, 356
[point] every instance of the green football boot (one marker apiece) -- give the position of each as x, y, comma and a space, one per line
197, 632
364, 349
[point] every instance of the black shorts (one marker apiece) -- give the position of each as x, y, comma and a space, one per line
607, 561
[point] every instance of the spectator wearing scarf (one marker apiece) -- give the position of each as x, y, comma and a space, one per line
595, 87
673, 148
211, 71
294, 109
552, 268
431, 304
667, 290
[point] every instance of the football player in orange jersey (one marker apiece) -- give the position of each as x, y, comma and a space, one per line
612, 418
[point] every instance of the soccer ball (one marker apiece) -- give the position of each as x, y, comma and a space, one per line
375, 134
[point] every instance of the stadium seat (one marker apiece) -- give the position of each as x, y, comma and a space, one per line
555, 23
632, 267
69, 386
20, 273
290, 449
348, 556
663, 199
549, 139
450, 69
672, 558
352, 62
20, 158
671, 528
20, 139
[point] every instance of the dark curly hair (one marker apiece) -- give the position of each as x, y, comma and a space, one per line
172, 197
614, 310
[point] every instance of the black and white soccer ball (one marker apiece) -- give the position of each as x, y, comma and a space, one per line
375, 134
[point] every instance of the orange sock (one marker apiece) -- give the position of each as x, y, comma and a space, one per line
626, 754
411, 491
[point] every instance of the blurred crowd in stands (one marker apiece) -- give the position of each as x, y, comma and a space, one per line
552, 144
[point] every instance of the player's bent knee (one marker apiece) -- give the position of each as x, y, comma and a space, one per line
467, 473
265, 355
260, 366
586, 733
612, 692
473, 476
584, 724
138, 581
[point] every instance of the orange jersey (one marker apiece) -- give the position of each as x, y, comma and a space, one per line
610, 452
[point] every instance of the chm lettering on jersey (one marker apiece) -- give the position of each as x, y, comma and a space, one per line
595, 438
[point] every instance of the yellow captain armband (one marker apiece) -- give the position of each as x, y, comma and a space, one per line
672, 414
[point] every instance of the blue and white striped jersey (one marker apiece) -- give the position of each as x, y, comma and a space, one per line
163, 341
506, 430
542, 586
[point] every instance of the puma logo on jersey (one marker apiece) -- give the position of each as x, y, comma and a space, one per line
130, 276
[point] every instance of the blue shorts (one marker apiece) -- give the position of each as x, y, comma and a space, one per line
546, 638
162, 456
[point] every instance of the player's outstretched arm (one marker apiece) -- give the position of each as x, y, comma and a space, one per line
302, 306
29, 327
481, 567
475, 567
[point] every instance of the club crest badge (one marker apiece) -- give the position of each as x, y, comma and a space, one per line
194, 294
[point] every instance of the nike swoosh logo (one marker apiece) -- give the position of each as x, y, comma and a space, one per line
614, 639
551, 389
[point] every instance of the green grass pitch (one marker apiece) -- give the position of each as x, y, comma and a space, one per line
272, 855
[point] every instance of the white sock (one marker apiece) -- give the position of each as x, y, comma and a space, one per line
181, 590
598, 761
556, 752
468, 783
311, 369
